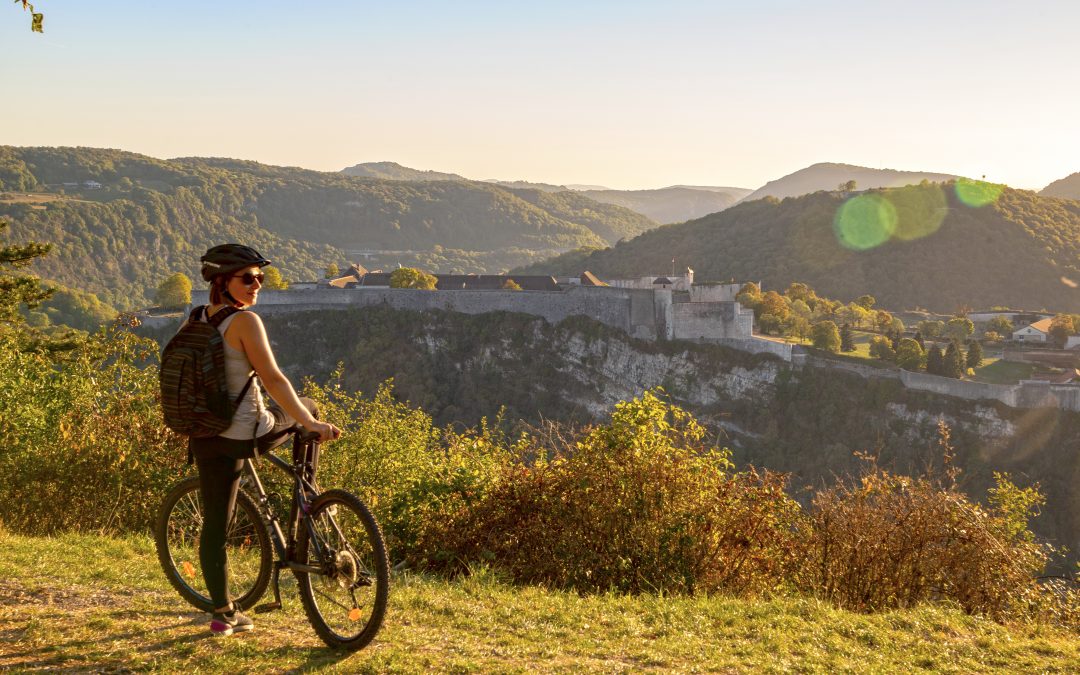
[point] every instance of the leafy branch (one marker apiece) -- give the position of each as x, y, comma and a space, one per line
36, 18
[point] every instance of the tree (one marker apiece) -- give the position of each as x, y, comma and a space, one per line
847, 341
826, 336
974, 354
849, 186
959, 328
931, 328
1061, 327
796, 326
775, 304
1000, 324
332, 271
175, 291
935, 361
919, 339
410, 277
511, 285
883, 321
865, 301
909, 355
749, 296
274, 280
799, 291
881, 348
953, 363
18, 289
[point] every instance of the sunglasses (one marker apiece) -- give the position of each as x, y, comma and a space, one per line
248, 278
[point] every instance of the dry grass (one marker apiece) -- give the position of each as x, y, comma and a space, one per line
95, 604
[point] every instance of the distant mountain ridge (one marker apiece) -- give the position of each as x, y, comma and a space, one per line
120, 221
663, 205
1066, 188
828, 175
671, 204
1021, 250
395, 171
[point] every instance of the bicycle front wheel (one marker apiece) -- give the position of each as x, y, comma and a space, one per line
346, 600
248, 548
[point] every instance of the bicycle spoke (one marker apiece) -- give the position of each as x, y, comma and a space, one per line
347, 600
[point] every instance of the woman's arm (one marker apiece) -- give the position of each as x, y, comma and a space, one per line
252, 339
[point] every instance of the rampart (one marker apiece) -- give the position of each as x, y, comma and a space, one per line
1027, 394
651, 315
641, 313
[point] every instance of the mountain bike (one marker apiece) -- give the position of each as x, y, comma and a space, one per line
331, 543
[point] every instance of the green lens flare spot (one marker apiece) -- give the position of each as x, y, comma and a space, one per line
920, 210
865, 222
977, 193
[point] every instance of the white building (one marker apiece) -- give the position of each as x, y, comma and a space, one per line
1036, 332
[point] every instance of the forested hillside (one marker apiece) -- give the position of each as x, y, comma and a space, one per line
122, 222
919, 246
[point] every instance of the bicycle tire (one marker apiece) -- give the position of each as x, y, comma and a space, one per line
248, 547
346, 602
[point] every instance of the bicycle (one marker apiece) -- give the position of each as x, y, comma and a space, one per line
332, 544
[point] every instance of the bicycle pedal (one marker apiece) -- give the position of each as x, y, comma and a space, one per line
267, 607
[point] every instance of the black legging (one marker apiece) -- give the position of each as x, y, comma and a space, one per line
219, 480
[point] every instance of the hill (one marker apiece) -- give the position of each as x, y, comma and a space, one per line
1066, 188
671, 204
663, 205
121, 222
917, 246
826, 176
395, 171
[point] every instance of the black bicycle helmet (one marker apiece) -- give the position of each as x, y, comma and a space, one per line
229, 258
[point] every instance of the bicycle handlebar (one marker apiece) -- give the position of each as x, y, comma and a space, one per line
306, 435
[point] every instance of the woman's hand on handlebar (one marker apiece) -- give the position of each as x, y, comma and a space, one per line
326, 431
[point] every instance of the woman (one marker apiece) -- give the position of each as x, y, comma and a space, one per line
235, 275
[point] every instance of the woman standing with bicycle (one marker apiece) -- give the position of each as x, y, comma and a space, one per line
235, 275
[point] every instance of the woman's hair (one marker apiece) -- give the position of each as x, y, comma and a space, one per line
217, 290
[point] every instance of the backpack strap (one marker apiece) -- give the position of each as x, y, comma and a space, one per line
219, 316
216, 320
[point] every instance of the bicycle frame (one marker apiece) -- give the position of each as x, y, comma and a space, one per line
301, 488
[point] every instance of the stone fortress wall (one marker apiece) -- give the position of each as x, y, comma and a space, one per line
704, 314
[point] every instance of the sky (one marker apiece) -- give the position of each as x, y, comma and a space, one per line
630, 94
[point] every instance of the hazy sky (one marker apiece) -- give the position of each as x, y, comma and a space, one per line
627, 94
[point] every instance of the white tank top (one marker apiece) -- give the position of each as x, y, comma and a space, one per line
251, 408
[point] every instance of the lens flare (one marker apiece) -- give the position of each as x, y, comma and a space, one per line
1069, 282
920, 210
977, 193
865, 222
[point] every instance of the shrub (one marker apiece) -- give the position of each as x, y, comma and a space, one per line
82, 446
407, 470
639, 504
883, 541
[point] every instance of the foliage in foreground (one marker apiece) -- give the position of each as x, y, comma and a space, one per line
641, 503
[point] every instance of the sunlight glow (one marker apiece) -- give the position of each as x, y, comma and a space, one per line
977, 193
865, 222
920, 210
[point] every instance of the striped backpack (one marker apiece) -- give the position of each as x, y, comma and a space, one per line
195, 397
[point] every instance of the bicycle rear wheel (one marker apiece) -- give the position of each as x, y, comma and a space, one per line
248, 547
346, 601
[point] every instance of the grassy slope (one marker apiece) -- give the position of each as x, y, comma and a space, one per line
96, 603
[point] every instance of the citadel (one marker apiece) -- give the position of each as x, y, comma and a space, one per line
654, 307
